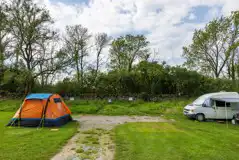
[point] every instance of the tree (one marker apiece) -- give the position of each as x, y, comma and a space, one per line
151, 77
233, 42
208, 51
4, 41
29, 26
101, 40
126, 50
76, 43
51, 60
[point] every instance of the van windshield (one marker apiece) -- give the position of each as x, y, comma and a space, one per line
200, 100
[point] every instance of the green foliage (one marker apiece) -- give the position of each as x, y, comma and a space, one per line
115, 108
13, 80
125, 50
146, 81
213, 49
126, 108
80, 150
35, 64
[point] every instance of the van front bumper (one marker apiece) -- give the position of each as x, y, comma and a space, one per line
193, 116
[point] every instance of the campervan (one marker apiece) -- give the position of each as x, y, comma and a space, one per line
220, 105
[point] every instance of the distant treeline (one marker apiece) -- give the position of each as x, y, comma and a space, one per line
146, 80
34, 56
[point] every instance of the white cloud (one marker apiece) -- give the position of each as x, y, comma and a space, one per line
230, 5
161, 19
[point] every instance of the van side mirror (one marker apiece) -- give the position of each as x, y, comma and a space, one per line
204, 105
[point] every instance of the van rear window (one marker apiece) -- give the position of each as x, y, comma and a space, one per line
57, 100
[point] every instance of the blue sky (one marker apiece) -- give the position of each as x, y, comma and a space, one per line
167, 24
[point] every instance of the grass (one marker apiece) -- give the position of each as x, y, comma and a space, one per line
80, 150
102, 107
10, 105
183, 140
90, 141
31, 143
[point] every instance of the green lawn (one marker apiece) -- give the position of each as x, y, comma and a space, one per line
102, 107
31, 143
182, 140
10, 105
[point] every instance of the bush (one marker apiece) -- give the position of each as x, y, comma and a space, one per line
144, 96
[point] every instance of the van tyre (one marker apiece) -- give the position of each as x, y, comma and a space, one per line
234, 121
200, 117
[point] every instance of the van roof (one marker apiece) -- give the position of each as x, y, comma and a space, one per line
233, 96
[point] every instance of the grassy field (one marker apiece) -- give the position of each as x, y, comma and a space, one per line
182, 140
102, 107
31, 143
10, 105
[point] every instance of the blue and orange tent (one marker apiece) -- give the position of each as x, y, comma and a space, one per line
41, 110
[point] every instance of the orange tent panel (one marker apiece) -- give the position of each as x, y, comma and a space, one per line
42, 109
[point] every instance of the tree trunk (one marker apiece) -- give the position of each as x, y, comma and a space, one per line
42, 77
29, 84
1, 66
29, 78
17, 58
130, 65
82, 68
96, 70
81, 71
216, 74
233, 71
78, 72
1, 61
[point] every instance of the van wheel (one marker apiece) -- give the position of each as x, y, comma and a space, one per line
200, 117
234, 121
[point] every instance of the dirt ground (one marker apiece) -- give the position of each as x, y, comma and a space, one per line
105, 148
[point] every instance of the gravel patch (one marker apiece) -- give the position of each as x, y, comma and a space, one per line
106, 123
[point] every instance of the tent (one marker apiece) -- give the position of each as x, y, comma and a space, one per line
41, 110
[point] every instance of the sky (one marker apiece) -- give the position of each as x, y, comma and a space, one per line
167, 24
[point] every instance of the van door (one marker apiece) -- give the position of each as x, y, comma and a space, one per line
208, 110
234, 108
222, 111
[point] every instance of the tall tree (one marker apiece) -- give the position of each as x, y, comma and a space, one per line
76, 43
233, 40
29, 25
51, 60
101, 41
125, 50
208, 51
4, 41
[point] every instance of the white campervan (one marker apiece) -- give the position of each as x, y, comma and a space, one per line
221, 105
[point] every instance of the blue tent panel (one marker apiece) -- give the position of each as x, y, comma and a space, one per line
34, 122
38, 96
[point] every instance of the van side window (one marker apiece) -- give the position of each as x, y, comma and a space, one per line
222, 104
57, 100
208, 103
